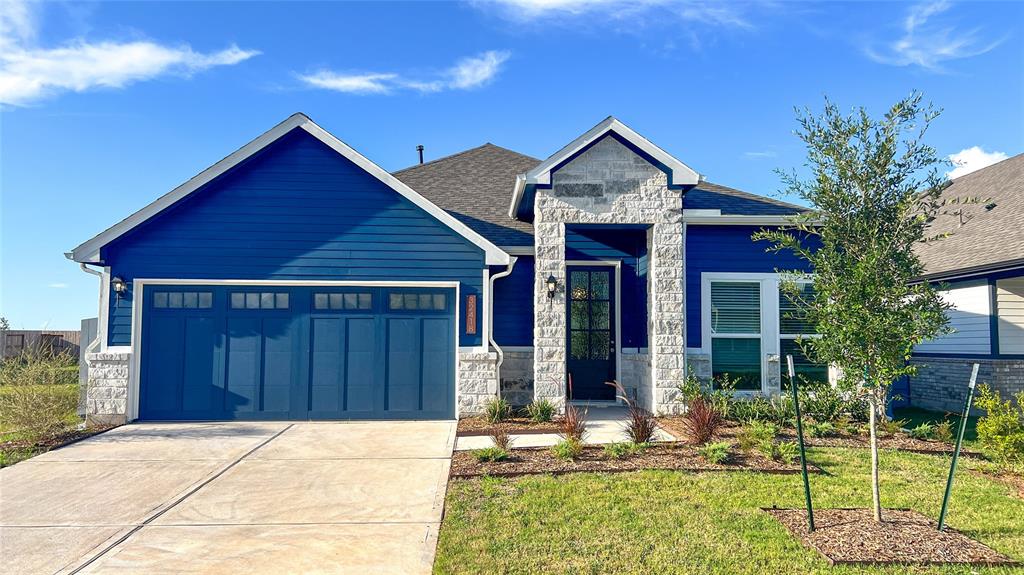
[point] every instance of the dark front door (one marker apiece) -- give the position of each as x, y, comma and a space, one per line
591, 341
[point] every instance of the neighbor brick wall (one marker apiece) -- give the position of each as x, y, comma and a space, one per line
941, 383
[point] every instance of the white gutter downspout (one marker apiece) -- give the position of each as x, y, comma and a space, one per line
92, 344
490, 322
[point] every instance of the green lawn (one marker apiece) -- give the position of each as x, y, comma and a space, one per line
679, 522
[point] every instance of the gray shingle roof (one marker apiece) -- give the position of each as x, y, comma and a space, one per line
709, 196
988, 237
475, 186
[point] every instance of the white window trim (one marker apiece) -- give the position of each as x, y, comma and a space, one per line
139, 284
769, 283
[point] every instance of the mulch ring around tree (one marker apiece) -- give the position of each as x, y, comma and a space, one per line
853, 537
475, 426
669, 456
901, 442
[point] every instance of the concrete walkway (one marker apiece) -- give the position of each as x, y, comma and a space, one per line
216, 498
605, 424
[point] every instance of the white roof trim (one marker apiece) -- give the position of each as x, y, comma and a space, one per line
682, 174
89, 251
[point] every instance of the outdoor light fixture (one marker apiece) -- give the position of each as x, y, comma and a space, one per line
118, 285
552, 286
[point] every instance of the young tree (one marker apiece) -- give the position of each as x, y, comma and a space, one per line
873, 189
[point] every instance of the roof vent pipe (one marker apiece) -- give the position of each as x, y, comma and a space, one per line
419, 149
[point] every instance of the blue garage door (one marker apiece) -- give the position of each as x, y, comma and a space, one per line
272, 352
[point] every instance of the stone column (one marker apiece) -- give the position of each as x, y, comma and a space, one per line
549, 313
668, 347
106, 400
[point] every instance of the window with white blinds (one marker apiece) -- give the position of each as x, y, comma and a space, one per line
793, 324
736, 308
736, 333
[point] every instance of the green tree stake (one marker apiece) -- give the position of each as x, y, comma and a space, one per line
800, 441
956, 450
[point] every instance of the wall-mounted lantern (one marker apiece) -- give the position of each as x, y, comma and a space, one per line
552, 284
119, 286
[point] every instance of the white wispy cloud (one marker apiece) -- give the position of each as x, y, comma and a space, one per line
760, 154
466, 74
58, 285
29, 73
928, 40
972, 159
702, 11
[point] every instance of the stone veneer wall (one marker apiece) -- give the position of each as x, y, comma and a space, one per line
941, 383
609, 184
636, 377
106, 399
477, 381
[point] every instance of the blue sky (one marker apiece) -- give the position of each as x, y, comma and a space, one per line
106, 106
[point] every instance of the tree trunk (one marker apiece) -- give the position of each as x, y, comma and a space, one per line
876, 496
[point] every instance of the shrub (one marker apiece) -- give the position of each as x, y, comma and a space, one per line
821, 429
701, 421
490, 454
715, 453
1001, 429
785, 451
827, 403
891, 426
573, 425
923, 431
943, 431
39, 392
622, 449
501, 439
846, 424
568, 449
540, 411
497, 410
640, 423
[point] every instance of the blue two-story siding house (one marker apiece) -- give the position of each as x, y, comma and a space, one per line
296, 279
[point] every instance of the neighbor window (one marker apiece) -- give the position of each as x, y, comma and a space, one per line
793, 324
1010, 315
736, 333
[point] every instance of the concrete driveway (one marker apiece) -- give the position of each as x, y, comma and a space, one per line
232, 498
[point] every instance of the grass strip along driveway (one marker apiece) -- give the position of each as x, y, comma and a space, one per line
681, 522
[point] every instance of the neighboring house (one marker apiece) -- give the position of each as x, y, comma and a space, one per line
982, 263
296, 279
16, 341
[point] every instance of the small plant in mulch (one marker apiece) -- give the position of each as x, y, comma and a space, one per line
573, 424
943, 431
541, 411
497, 410
568, 449
502, 440
821, 429
891, 427
640, 423
923, 432
757, 434
490, 454
701, 421
715, 453
853, 537
622, 449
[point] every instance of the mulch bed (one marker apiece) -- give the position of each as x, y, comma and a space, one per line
475, 426
670, 456
50, 442
899, 442
853, 537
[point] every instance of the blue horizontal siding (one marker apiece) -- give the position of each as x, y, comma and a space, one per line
725, 249
627, 244
513, 304
296, 211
